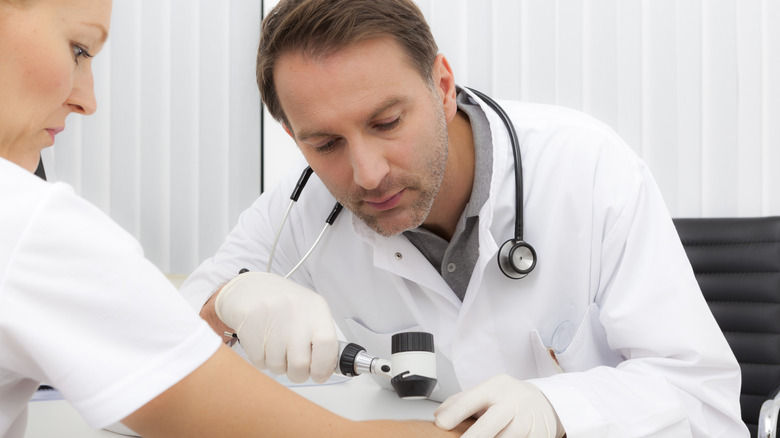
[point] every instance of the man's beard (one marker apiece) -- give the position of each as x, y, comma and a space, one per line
428, 187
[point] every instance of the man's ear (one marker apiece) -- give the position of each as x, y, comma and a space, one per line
444, 81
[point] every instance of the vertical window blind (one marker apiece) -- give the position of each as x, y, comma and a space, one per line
173, 152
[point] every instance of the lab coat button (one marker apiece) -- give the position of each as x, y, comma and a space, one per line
398, 256
451, 267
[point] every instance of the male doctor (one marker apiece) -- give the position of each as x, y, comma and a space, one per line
607, 336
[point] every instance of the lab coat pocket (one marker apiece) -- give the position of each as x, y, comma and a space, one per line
546, 363
588, 348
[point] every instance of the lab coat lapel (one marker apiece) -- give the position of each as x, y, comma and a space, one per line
398, 256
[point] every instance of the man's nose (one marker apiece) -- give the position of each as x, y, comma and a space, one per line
369, 165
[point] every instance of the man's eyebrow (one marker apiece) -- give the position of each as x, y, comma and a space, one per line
389, 103
304, 135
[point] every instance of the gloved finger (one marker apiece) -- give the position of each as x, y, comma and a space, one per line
530, 424
460, 407
252, 344
324, 356
300, 339
525, 425
493, 422
256, 355
276, 361
275, 348
320, 337
298, 358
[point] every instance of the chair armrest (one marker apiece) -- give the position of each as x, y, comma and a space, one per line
767, 418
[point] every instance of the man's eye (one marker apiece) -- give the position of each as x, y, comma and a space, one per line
327, 147
388, 126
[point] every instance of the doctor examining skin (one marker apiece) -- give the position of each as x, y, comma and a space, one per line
80, 307
546, 266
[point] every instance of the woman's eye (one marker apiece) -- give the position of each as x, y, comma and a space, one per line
80, 52
388, 126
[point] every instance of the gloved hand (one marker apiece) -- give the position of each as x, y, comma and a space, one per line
506, 407
282, 326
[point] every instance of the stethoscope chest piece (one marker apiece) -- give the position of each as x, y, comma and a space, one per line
516, 258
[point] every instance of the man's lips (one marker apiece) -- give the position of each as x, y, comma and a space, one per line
386, 204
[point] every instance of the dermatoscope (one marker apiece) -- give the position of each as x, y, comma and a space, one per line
411, 368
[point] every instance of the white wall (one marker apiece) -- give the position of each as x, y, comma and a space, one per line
173, 156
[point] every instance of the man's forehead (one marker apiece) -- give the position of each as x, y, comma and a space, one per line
363, 79
320, 54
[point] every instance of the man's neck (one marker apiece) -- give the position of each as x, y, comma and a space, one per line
455, 190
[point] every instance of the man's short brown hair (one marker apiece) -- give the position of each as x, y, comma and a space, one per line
319, 28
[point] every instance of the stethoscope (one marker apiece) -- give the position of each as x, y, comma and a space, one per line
304, 178
516, 258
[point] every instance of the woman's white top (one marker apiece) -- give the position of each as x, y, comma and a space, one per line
81, 309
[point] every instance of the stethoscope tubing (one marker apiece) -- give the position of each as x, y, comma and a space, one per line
516, 154
304, 178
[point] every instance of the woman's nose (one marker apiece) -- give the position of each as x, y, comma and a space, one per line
82, 96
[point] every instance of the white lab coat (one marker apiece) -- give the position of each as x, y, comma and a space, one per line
612, 294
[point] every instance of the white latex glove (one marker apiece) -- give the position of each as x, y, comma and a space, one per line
505, 407
282, 326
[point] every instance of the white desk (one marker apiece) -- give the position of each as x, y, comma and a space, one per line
357, 399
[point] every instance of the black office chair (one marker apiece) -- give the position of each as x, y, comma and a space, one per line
737, 265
